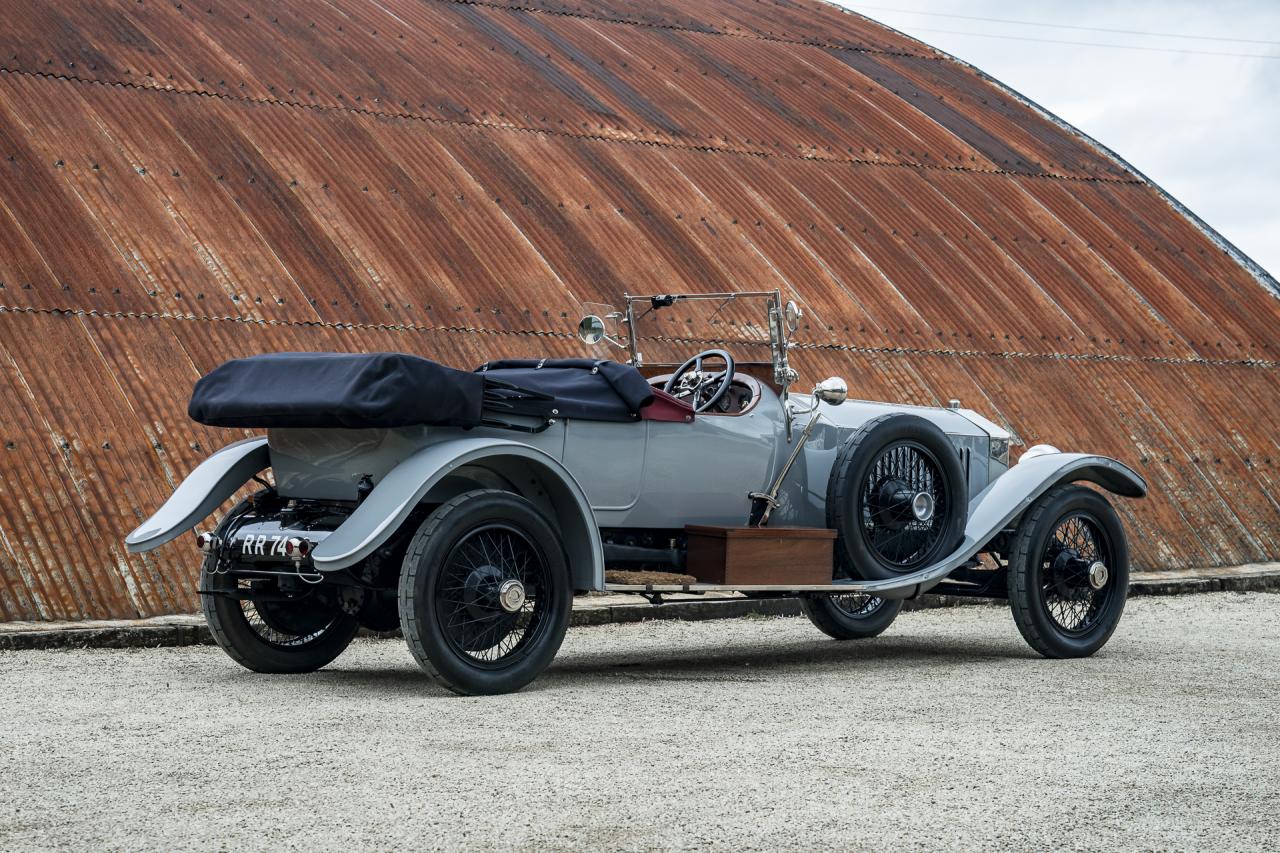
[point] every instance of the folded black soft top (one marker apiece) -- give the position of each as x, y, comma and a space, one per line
341, 390
388, 389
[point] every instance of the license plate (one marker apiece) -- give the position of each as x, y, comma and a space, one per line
263, 545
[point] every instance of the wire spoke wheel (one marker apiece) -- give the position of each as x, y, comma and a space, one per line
476, 619
897, 496
264, 629
1068, 572
850, 615
1069, 590
485, 593
902, 503
285, 624
857, 604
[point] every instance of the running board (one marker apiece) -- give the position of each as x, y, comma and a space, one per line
907, 591
907, 586
730, 587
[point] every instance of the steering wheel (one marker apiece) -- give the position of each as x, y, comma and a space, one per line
706, 389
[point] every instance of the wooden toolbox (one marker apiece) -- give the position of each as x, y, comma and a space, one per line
760, 555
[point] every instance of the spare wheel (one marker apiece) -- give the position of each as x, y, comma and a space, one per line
897, 497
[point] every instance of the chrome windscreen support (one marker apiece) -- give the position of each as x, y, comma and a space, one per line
832, 391
783, 321
764, 503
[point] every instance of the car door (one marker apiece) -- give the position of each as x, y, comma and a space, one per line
701, 472
607, 460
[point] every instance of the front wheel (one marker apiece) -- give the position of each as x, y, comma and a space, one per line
1068, 573
485, 595
850, 616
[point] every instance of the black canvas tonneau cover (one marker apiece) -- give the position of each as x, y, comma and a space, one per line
388, 389
339, 390
580, 388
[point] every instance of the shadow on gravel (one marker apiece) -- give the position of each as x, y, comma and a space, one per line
408, 680
752, 662
337, 678
758, 662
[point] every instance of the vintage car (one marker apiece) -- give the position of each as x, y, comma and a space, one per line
469, 508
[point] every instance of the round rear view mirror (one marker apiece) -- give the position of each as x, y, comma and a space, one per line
591, 330
793, 314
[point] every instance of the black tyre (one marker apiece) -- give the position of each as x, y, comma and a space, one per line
485, 593
897, 497
850, 616
300, 634
1068, 572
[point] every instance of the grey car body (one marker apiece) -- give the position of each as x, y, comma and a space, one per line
650, 474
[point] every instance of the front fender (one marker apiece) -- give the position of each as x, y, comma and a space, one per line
204, 490
1006, 499
1015, 490
404, 486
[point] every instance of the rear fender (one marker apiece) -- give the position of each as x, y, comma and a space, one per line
1006, 499
204, 490
421, 476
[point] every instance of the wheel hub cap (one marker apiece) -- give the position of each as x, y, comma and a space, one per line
511, 595
922, 506
1098, 575
899, 505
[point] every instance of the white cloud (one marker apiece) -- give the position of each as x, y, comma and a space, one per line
1203, 127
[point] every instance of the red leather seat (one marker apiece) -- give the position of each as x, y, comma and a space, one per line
665, 407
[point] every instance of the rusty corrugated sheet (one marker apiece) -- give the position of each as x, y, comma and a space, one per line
181, 184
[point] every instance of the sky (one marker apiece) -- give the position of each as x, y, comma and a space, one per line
1202, 125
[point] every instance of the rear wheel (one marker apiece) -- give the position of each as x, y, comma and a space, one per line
279, 632
1068, 573
850, 616
485, 595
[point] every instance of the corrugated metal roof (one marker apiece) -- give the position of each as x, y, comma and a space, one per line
181, 184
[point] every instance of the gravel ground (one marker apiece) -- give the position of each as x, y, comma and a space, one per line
754, 733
